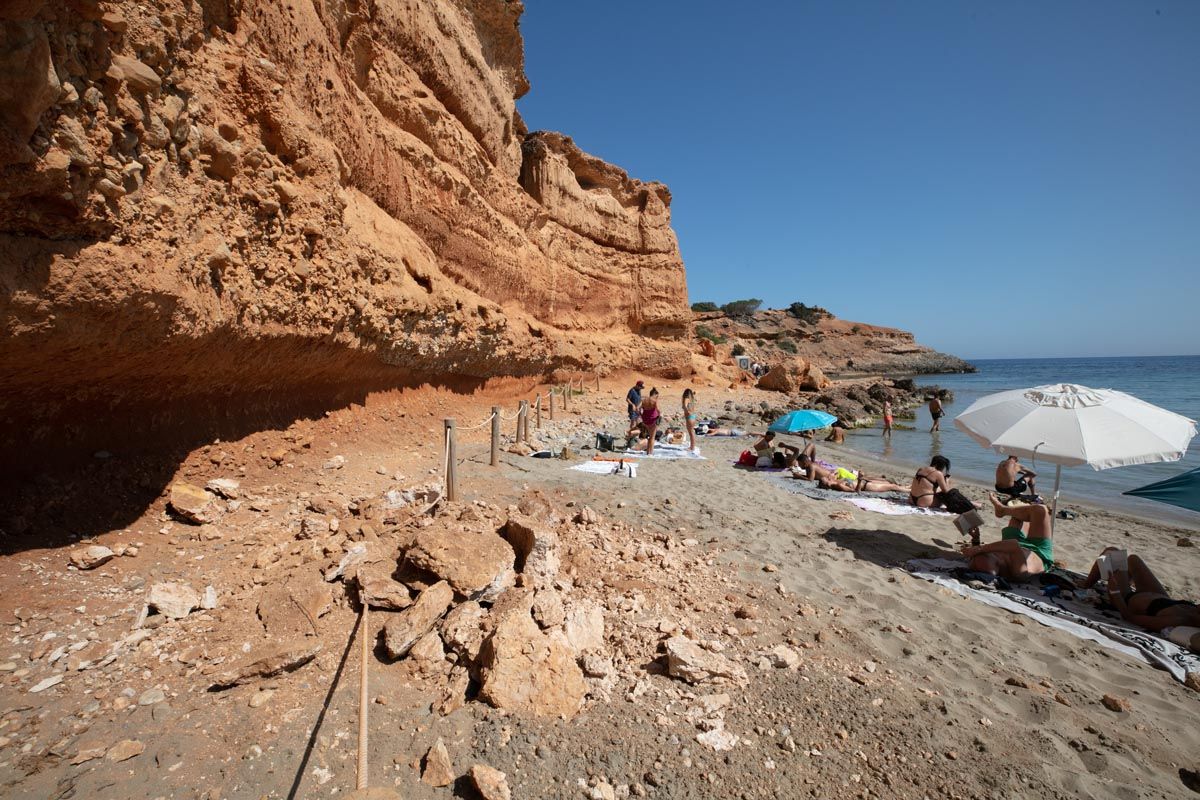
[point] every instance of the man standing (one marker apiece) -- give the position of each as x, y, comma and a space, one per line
633, 403
1014, 480
936, 411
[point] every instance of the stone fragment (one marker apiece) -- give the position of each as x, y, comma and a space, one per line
536, 547
454, 693
174, 600
45, 684
476, 565
380, 591
293, 608
403, 629
114, 21
718, 739
266, 663
462, 629
492, 784
140, 78
124, 750
548, 608
85, 754
193, 504
224, 487
428, 653
1184, 541
337, 462
152, 696
437, 771
91, 556
587, 516
525, 670
260, 698
222, 155
595, 665
1114, 703
784, 657
313, 525
584, 627
689, 662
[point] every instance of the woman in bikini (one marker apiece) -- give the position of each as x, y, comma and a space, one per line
930, 483
650, 418
1141, 598
689, 417
839, 479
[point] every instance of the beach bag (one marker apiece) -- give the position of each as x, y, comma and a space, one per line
956, 502
605, 442
747, 458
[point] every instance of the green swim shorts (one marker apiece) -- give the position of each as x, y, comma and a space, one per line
1043, 547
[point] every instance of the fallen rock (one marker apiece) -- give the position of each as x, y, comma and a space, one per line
224, 487
492, 784
380, 591
520, 449
462, 629
438, 771
1114, 703
548, 608
536, 547
718, 739
124, 750
784, 657
1184, 541
584, 627
45, 684
404, 629
267, 663
91, 556
525, 670
586, 516
140, 78
689, 662
293, 608
193, 504
595, 665
478, 566
337, 462
428, 653
174, 600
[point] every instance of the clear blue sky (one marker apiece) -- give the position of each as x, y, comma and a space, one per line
1004, 179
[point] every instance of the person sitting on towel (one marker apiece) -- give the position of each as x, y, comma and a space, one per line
1014, 480
764, 449
1018, 556
1142, 600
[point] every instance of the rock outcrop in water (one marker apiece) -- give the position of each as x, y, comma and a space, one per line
216, 208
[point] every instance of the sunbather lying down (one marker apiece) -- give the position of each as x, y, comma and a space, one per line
1142, 600
838, 479
1017, 556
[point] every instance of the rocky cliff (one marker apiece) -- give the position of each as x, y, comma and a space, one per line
215, 208
836, 347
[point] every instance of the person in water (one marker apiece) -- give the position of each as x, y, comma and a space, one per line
689, 417
1142, 599
936, 412
1014, 480
1019, 555
887, 418
837, 433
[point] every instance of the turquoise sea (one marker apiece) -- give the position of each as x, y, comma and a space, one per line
1172, 382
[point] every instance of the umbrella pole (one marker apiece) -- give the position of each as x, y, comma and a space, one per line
1054, 508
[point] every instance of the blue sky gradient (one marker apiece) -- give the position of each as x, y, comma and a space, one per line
1016, 179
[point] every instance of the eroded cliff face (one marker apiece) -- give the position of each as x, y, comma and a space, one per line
209, 206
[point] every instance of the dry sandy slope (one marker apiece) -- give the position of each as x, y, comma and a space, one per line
901, 689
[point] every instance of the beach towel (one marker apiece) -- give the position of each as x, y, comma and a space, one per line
1080, 619
665, 451
628, 469
891, 503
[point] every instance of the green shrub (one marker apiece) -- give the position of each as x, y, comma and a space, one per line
855, 328
808, 314
704, 332
705, 306
787, 345
737, 350
741, 308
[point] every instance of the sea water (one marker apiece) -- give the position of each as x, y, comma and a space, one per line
1172, 382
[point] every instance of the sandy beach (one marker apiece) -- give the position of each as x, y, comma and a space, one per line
860, 679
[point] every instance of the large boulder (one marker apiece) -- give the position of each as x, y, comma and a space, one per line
475, 565
525, 670
404, 629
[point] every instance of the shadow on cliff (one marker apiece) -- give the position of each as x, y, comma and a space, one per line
80, 462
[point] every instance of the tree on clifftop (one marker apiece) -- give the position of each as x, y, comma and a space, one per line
705, 306
808, 314
741, 308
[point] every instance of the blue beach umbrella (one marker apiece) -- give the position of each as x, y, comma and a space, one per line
1181, 490
807, 419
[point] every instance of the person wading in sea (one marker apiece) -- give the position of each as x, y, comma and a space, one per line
937, 412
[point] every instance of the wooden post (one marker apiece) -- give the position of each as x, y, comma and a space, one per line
518, 434
552, 404
597, 380
495, 435
566, 398
525, 421
537, 412
451, 468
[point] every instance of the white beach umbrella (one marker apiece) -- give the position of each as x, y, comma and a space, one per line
1070, 425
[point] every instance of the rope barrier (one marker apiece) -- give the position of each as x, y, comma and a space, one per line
480, 425
514, 416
